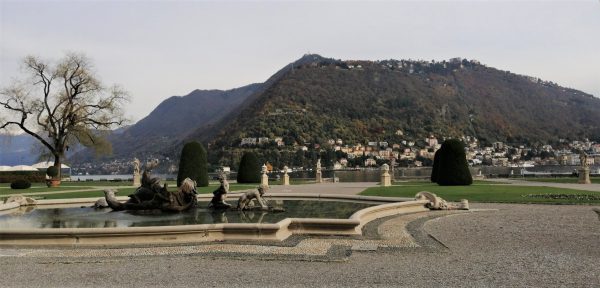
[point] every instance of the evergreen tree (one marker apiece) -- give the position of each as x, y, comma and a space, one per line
192, 164
436, 166
450, 167
249, 170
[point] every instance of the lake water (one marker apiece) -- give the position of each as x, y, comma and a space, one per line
373, 175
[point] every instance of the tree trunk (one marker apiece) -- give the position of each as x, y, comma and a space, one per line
58, 165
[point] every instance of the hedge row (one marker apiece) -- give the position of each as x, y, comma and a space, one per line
31, 176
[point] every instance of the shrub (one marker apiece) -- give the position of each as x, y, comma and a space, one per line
436, 166
192, 164
20, 184
31, 176
52, 171
450, 167
249, 170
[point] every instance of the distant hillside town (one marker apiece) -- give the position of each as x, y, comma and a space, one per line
337, 155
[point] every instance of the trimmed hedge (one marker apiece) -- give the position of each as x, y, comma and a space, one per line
193, 164
20, 184
450, 165
249, 170
31, 176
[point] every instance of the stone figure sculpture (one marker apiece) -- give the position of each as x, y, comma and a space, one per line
151, 195
437, 203
246, 198
219, 195
583, 159
136, 166
136, 172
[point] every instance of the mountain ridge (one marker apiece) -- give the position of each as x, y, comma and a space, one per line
314, 99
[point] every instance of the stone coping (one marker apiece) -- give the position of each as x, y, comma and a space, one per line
118, 236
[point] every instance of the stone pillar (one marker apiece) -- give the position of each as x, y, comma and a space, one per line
319, 176
286, 177
386, 179
584, 175
264, 180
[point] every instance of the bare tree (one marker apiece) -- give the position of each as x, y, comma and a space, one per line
62, 104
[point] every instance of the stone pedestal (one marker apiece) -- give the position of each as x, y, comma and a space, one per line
137, 180
264, 180
319, 177
584, 176
286, 177
386, 179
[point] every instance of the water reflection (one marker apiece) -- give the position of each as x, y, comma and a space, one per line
102, 218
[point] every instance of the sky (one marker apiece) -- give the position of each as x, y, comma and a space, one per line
158, 49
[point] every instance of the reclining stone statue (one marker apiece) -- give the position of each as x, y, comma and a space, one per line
437, 203
245, 201
151, 195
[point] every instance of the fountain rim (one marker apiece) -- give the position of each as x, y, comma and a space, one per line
182, 234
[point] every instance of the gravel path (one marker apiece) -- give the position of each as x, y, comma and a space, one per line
514, 246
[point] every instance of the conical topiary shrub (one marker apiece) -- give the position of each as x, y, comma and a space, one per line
435, 171
450, 167
192, 164
249, 170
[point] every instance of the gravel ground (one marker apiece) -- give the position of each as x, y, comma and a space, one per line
515, 246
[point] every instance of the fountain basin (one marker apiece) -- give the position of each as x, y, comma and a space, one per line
195, 233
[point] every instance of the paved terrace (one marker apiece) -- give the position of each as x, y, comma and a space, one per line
495, 245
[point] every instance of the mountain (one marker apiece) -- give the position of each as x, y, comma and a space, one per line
173, 119
359, 101
18, 150
315, 99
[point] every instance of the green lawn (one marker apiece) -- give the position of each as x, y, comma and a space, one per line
595, 180
34, 189
427, 182
486, 193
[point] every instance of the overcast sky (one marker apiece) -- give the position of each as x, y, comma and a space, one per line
157, 49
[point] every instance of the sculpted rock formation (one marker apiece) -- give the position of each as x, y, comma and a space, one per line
151, 195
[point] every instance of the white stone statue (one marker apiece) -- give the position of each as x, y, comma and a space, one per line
437, 203
318, 175
246, 198
136, 172
264, 179
264, 169
136, 166
286, 177
386, 180
583, 159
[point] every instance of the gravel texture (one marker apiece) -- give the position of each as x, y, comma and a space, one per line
514, 246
